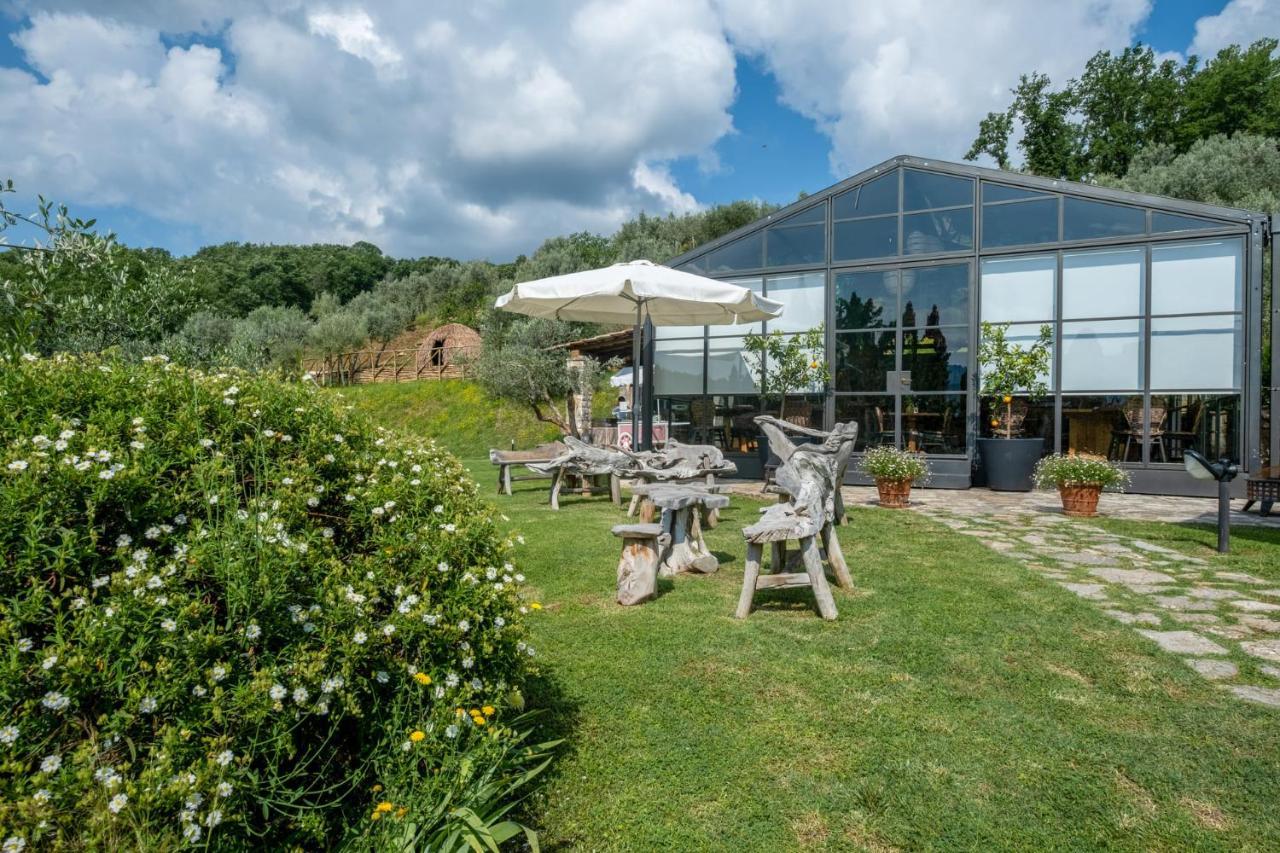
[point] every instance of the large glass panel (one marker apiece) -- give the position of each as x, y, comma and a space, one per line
803, 410
1196, 353
1162, 223
1083, 220
1196, 277
806, 244
1024, 336
675, 419
756, 285
736, 414
936, 359
934, 423
875, 196
1020, 223
817, 213
745, 253
1028, 419
1099, 425
1016, 289
873, 415
939, 296
866, 300
938, 231
697, 265
1000, 192
926, 190
861, 239
805, 298
1102, 355
1209, 424
728, 371
863, 360
1102, 284
677, 366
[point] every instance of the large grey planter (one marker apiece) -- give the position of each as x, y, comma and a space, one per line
1010, 462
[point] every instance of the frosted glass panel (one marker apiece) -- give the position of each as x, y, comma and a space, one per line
677, 366
1195, 353
1102, 284
805, 298
727, 369
1196, 277
1016, 289
1102, 355
756, 286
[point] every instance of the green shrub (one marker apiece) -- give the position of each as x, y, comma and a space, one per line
233, 612
1079, 470
890, 463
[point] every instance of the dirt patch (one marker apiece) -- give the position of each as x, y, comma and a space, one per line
1206, 814
864, 838
809, 829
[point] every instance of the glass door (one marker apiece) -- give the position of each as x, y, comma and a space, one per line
903, 356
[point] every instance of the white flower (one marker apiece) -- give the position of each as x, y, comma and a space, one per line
439, 508
439, 691
382, 676
388, 629
252, 631
137, 445
50, 662
313, 501
498, 621
213, 499
101, 581
442, 566
218, 672
198, 690
213, 818
224, 789
106, 473
152, 533
51, 763
339, 439
467, 663
331, 684
24, 644
451, 731
377, 510
42, 796
206, 442
225, 757
147, 705
359, 637
389, 505
278, 692
55, 701
168, 625
107, 776
118, 802
191, 832
464, 626
300, 695
16, 843
288, 481
327, 533
18, 465
8, 735
67, 433
449, 528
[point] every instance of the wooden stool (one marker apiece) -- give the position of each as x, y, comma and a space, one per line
811, 558
642, 546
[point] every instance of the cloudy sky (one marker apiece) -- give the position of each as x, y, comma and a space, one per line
478, 129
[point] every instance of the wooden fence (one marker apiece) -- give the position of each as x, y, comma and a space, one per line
402, 365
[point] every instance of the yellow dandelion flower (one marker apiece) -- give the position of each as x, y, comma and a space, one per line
417, 737
535, 606
384, 806
422, 678
376, 788
402, 811
488, 710
376, 816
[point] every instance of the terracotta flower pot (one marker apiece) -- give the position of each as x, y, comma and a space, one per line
1080, 501
894, 494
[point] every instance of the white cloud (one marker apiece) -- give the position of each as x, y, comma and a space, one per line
1240, 22
469, 130
885, 77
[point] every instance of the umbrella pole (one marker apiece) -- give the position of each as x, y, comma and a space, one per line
635, 381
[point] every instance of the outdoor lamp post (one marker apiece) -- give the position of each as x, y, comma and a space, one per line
1224, 471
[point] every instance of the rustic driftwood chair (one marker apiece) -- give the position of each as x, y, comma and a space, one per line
808, 477
842, 460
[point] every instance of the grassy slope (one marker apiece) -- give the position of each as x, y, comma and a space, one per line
958, 702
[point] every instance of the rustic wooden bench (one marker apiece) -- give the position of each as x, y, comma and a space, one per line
508, 459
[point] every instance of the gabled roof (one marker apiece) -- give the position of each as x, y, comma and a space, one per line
1228, 215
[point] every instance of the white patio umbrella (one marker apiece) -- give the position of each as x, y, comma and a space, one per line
636, 291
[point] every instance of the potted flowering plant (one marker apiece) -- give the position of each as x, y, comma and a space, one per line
894, 471
1008, 370
1079, 480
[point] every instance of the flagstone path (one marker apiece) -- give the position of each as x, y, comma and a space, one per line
1224, 625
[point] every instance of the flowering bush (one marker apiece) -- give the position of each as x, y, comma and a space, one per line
897, 466
231, 609
1080, 470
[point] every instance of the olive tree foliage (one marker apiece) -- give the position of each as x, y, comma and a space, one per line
1233, 171
75, 290
270, 337
520, 363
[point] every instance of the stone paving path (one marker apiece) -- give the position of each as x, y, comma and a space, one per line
1224, 625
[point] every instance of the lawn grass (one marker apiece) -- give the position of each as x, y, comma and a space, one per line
959, 702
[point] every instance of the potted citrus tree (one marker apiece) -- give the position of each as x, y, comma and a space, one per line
894, 471
1008, 371
1079, 480
786, 364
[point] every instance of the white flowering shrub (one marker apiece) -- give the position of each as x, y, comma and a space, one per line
234, 614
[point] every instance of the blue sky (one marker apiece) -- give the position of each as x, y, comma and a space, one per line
479, 133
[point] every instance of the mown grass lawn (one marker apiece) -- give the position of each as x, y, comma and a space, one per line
959, 702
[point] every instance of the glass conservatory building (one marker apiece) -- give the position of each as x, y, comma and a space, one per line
1154, 306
